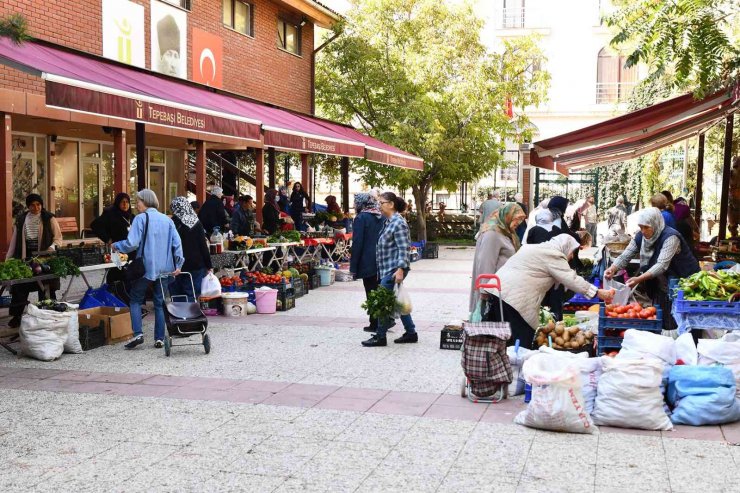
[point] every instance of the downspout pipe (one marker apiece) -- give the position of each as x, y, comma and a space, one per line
313, 69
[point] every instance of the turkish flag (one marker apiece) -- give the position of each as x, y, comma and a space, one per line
208, 56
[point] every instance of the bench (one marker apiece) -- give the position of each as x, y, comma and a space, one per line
68, 225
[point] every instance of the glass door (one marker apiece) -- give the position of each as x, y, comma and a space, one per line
90, 164
158, 177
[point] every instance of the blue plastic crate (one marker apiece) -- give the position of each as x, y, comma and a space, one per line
630, 323
608, 343
716, 307
672, 287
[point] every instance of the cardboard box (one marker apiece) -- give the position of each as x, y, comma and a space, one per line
117, 322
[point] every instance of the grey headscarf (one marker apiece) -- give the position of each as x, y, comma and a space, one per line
650, 217
182, 210
364, 202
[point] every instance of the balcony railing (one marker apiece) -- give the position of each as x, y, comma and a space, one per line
512, 18
613, 92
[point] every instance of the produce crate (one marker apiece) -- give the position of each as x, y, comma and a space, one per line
5, 301
430, 251
286, 296
608, 344
419, 248
299, 288
451, 339
83, 256
672, 288
717, 307
630, 323
92, 337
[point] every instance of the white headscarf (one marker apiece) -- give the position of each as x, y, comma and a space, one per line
532, 219
653, 218
544, 220
565, 243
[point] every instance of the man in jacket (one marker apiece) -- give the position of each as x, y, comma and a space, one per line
213, 213
244, 217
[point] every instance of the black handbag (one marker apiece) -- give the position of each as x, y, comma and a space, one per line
135, 269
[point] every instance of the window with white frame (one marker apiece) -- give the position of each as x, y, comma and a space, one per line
289, 37
512, 14
183, 4
239, 16
614, 82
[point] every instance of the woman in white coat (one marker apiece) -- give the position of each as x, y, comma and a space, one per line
526, 278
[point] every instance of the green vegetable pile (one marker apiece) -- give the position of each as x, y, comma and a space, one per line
381, 303
14, 269
284, 237
63, 266
710, 286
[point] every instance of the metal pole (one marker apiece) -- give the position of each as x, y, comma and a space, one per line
699, 181
725, 192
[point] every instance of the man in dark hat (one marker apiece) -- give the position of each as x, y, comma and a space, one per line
168, 35
35, 230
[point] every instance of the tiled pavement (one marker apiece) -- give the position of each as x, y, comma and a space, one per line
291, 402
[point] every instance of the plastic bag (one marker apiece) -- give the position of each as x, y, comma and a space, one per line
629, 395
403, 300
101, 296
557, 400
210, 286
703, 395
477, 314
517, 356
725, 351
43, 333
624, 293
686, 349
643, 344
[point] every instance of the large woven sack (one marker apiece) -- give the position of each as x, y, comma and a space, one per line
43, 333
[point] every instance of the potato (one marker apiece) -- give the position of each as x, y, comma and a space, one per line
574, 330
545, 330
559, 341
589, 335
559, 329
550, 325
573, 345
566, 336
541, 340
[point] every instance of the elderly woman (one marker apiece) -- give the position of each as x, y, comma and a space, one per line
661, 202
392, 254
496, 243
543, 228
527, 277
35, 230
366, 230
663, 253
194, 249
154, 237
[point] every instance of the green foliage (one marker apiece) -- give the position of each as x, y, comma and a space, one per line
381, 303
15, 27
693, 44
14, 269
63, 266
414, 74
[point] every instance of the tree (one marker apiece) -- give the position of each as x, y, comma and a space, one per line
694, 44
414, 74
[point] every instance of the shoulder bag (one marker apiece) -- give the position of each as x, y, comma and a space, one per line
135, 270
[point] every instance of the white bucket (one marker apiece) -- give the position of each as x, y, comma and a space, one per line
235, 304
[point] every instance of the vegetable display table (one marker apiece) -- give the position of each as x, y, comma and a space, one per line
88, 268
243, 257
282, 250
312, 248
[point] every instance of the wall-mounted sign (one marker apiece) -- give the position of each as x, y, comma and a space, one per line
123, 32
207, 58
169, 40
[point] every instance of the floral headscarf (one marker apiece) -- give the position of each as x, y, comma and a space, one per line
500, 220
182, 210
652, 217
364, 202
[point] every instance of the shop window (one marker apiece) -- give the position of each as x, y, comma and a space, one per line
238, 15
183, 4
28, 169
614, 82
289, 37
512, 14
66, 180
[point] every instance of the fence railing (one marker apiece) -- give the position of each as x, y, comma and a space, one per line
512, 18
613, 92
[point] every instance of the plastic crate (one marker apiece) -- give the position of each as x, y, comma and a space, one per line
716, 307
451, 339
607, 344
672, 287
92, 337
630, 323
5, 301
430, 251
299, 288
314, 281
286, 300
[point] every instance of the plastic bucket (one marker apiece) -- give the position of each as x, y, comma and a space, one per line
266, 300
235, 304
325, 275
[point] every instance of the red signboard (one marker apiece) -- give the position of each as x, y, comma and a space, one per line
313, 144
80, 99
382, 157
207, 58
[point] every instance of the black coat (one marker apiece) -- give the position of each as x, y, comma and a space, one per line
538, 235
194, 246
111, 226
270, 218
365, 233
213, 214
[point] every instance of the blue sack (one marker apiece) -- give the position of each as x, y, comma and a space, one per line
702, 395
95, 297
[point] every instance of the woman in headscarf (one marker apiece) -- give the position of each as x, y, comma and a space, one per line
531, 219
527, 277
332, 206
685, 223
543, 229
663, 253
113, 225
194, 249
365, 232
271, 212
496, 243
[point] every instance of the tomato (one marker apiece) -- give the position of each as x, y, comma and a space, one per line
621, 333
652, 310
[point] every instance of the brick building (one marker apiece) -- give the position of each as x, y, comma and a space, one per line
115, 95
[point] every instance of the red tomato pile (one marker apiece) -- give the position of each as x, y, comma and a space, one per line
260, 278
575, 307
634, 310
227, 282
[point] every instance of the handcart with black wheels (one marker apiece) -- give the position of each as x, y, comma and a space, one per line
484, 360
184, 319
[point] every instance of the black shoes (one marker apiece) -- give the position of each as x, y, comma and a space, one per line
407, 338
158, 344
14, 322
134, 342
369, 328
375, 341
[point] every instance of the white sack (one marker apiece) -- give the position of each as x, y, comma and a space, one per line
649, 345
725, 351
72, 344
589, 370
686, 349
43, 333
629, 395
557, 401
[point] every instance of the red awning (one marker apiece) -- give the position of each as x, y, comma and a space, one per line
90, 84
634, 134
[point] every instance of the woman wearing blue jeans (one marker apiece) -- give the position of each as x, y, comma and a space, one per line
162, 254
392, 254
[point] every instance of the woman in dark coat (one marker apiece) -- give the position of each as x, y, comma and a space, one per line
194, 249
365, 232
271, 212
112, 226
299, 202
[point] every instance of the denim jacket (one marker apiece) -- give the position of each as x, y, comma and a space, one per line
163, 249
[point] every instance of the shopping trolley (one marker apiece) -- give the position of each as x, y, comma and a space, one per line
184, 319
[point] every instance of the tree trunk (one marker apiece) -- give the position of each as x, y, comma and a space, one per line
420, 192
